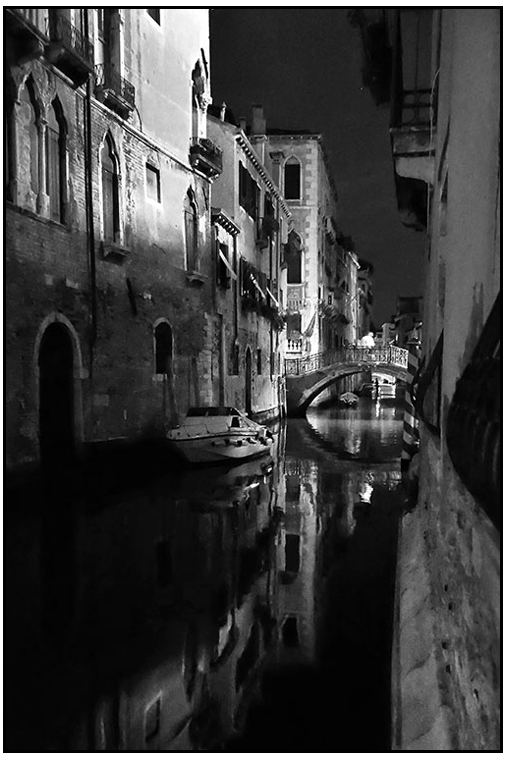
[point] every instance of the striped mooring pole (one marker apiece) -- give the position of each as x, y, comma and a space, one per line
410, 420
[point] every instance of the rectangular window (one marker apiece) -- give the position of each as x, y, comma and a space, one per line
259, 361
153, 183
292, 553
293, 323
155, 14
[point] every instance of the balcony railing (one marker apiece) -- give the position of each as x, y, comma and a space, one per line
206, 157
114, 90
397, 357
70, 50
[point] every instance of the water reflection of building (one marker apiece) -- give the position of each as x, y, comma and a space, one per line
296, 549
167, 619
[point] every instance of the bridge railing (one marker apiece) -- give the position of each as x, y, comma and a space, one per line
295, 367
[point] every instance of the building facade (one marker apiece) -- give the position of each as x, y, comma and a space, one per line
445, 132
109, 330
321, 299
250, 223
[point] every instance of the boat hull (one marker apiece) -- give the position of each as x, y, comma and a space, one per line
221, 449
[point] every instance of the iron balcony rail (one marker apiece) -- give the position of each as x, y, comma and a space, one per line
398, 357
108, 78
61, 30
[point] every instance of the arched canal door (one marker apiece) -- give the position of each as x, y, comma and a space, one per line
248, 381
56, 395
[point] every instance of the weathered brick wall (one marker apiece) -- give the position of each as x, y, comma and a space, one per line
48, 272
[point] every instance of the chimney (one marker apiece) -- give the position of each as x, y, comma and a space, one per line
222, 111
258, 120
242, 123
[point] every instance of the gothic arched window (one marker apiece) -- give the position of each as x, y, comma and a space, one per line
55, 161
191, 232
163, 348
292, 179
110, 191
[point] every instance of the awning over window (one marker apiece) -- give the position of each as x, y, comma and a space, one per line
227, 264
257, 286
277, 304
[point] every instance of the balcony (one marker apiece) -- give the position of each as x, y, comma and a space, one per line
69, 49
206, 157
114, 90
25, 30
413, 113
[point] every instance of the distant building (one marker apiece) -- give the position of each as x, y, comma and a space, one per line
408, 317
321, 264
441, 70
365, 297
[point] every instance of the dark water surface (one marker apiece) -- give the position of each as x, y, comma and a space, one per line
240, 610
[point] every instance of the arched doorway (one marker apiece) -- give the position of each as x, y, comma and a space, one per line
56, 395
248, 381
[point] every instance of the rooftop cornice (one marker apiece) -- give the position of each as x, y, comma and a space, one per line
245, 144
220, 217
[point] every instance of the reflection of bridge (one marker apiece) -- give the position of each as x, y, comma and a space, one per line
307, 377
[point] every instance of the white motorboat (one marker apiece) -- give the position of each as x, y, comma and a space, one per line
348, 399
211, 434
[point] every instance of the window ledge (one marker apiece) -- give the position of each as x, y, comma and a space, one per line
195, 277
113, 252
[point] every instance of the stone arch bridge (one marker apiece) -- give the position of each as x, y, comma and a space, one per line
307, 377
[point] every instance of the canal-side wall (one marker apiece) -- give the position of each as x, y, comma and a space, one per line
447, 664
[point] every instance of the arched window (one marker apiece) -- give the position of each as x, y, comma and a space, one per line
110, 194
191, 232
55, 161
293, 257
163, 348
29, 135
292, 179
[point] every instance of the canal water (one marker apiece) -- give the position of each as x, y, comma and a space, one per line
247, 609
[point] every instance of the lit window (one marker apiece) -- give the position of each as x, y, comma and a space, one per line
292, 179
153, 183
110, 199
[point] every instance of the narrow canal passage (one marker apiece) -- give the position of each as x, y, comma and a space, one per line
239, 610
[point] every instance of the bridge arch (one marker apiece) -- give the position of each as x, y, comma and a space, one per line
310, 376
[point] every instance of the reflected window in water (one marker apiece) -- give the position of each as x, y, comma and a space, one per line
365, 492
290, 633
292, 559
164, 564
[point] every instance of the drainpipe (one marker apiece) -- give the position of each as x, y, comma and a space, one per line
89, 209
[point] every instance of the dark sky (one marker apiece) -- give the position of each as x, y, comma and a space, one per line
304, 66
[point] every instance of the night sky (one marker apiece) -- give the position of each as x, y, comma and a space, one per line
304, 66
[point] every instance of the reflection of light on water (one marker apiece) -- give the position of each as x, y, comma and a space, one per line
365, 491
